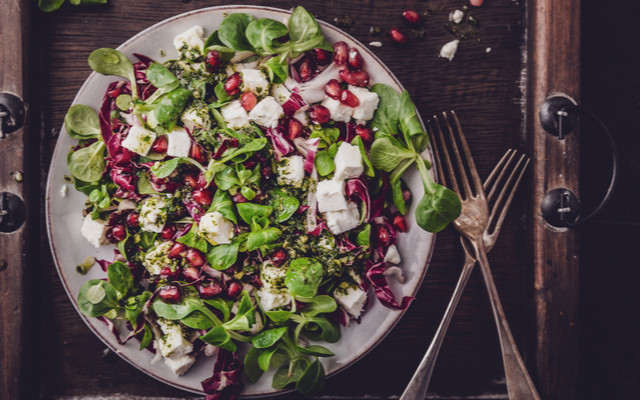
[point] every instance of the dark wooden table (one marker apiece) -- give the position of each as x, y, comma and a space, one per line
495, 84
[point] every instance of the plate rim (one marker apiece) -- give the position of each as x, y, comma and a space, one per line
49, 195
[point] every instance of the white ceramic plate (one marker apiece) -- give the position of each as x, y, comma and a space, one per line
69, 248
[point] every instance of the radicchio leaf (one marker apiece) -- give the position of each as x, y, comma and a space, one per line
308, 148
281, 145
357, 190
375, 276
225, 383
293, 104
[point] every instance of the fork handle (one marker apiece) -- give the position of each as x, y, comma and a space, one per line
419, 383
519, 384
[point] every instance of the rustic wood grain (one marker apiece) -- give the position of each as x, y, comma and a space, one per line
486, 90
555, 67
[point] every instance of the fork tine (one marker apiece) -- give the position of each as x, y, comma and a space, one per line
491, 183
519, 170
444, 154
436, 155
475, 177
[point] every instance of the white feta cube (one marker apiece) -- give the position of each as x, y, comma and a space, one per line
173, 340
139, 140
94, 231
193, 38
179, 143
273, 293
343, 220
291, 171
449, 50
179, 364
194, 118
348, 161
338, 111
280, 92
157, 258
368, 103
235, 115
351, 298
153, 214
266, 113
393, 256
270, 301
330, 195
253, 80
216, 228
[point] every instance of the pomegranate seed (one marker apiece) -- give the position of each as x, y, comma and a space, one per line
133, 219
306, 69
170, 294
239, 198
361, 78
365, 134
349, 99
355, 60
197, 153
234, 288
400, 223
168, 274
340, 53
213, 60
248, 100
195, 257
323, 57
232, 85
406, 195
319, 114
382, 235
333, 89
202, 181
175, 250
266, 172
191, 181
476, 3
160, 145
202, 197
279, 257
210, 289
295, 129
346, 76
191, 274
411, 16
397, 36
168, 232
119, 232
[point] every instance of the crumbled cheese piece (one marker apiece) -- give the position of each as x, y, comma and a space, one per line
194, 118
375, 44
94, 231
487, 50
179, 143
291, 171
193, 38
266, 112
338, 111
174, 347
180, 364
449, 50
157, 258
153, 214
273, 293
343, 220
456, 16
139, 140
351, 298
348, 161
253, 80
368, 103
393, 256
280, 93
330, 195
216, 228
235, 115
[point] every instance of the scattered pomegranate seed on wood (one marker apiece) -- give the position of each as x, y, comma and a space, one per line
411, 16
476, 3
397, 36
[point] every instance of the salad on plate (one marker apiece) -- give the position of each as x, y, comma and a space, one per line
252, 188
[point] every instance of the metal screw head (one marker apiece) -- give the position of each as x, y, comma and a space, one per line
12, 113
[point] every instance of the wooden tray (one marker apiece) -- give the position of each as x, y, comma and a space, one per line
496, 84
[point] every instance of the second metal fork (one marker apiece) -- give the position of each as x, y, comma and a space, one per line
463, 178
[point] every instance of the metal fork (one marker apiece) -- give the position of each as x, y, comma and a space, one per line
472, 224
505, 177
